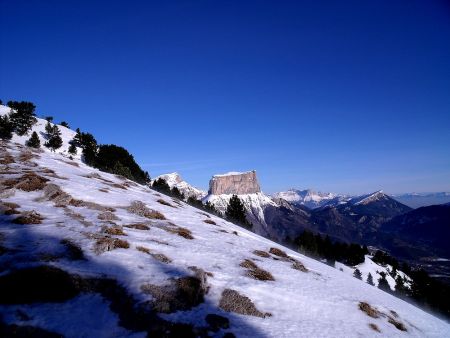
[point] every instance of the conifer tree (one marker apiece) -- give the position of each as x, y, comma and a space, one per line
22, 116
400, 287
6, 128
357, 274
161, 185
48, 130
370, 279
77, 138
236, 211
175, 192
72, 149
64, 124
34, 141
383, 284
54, 138
120, 169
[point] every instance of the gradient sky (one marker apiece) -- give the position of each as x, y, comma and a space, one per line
342, 96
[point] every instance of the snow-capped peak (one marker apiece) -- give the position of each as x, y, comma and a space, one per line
175, 180
308, 197
365, 199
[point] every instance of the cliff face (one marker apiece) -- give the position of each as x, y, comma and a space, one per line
234, 183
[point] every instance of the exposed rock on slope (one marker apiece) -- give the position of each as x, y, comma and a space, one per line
234, 183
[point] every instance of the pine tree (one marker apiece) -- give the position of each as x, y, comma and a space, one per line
383, 284
161, 185
6, 128
357, 274
400, 288
77, 138
210, 207
48, 130
370, 279
22, 116
64, 124
120, 169
72, 149
175, 192
34, 141
54, 138
236, 211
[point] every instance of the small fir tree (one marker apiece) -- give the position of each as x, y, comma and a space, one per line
64, 124
22, 116
34, 141
357, 274
383, 283
370, 279
6, 128
72, 149
54, 141
175, 192
48, 130
236, 211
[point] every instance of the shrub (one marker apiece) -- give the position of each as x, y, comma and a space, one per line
233, 301
139, 226
140, 209
163, 202
107, 216
31, 182
278, 252
261, 253
180, 295
374, 327
298, 266
248, 264
115, 230
29, 217
108, 243
370, 311
399, 325
22, 116
209, 221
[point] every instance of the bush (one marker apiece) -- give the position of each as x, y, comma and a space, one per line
261, 253
278, 252
370, 311
31, 182
233, 301
140, 209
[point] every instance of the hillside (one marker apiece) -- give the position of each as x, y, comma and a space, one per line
87, 253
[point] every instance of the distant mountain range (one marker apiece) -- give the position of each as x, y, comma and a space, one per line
417, 200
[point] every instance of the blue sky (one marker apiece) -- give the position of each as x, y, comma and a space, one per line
343, 96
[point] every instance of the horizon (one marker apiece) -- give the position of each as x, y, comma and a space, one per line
348, 98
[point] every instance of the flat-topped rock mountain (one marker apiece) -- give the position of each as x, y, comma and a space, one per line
234, 183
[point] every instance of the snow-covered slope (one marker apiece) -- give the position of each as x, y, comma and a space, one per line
375, 270
175, 180
311, 198
66, 134
95, 211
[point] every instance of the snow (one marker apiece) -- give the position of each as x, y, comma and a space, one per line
233, 173
320, 303
368, 198
175, 180
369, 266
310, 198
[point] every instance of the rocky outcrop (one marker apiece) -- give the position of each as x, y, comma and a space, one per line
234, 183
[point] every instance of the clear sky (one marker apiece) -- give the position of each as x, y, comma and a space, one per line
342, 96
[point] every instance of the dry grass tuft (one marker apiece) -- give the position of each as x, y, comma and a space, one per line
183, 232
119, 186
209, 221
233, 301
163, 202
370, 311
7, 159
26, 156
105, 190
29, 217
108, 243
90, 205
143, 249
115, 230
374, 327
261, 253
399, 325
139, 226
235, 233
140, 209
31, 182
248, 264
297, 265
107, 216
54, 193
180, 294
278, 252
9, 208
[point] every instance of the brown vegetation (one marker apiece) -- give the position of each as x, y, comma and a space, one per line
107, 216
158, 256
261, 253
6, 159
210, 221
399, 325
163, 202
233, 301
29, 217
278, 252
140, 209
180, 294
9, 208
30, 182
248, 264
114, 230
298, 265
109, 243
374, 327
256, 272
370, 311
139, 226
